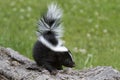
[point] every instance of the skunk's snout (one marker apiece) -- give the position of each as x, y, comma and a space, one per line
67, 59
69, 63
72, 64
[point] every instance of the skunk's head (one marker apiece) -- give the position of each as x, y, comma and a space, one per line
67, 59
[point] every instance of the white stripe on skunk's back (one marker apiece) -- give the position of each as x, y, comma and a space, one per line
57, 48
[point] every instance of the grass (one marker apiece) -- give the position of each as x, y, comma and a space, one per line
92, 29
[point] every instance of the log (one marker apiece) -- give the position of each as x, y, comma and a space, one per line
14, 66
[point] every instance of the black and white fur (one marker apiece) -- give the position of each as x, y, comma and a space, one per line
49, 51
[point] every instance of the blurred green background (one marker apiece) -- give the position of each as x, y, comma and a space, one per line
92, 29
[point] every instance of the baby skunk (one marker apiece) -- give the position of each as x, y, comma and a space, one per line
49, 51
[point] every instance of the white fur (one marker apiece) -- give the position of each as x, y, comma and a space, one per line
71, 56
57, 48
54, 11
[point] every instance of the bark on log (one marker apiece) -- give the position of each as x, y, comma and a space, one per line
14, 66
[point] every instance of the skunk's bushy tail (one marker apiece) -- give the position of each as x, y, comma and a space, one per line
51, 21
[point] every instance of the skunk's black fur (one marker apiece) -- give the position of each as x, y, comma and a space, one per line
49, 51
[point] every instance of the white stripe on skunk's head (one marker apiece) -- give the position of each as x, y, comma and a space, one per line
57, 48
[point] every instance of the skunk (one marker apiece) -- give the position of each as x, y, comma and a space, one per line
48, 50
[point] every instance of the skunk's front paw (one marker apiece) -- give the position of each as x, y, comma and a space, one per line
54, 72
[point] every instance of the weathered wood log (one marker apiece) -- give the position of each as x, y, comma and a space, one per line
14, 66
